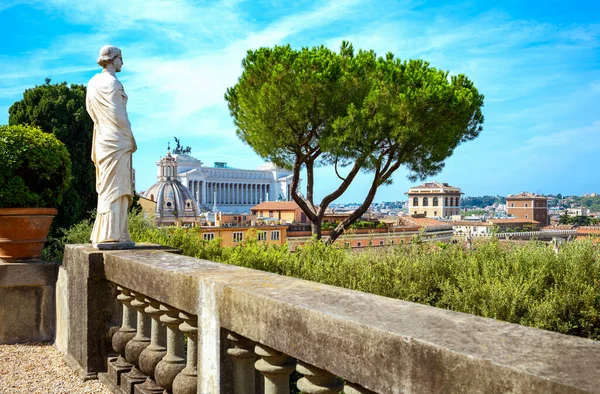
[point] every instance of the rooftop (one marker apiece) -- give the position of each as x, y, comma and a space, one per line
276, 205
525, 195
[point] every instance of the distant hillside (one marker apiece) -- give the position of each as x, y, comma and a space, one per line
482, 202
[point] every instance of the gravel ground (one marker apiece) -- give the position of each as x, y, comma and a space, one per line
39, 368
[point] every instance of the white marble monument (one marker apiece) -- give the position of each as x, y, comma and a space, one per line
112, 147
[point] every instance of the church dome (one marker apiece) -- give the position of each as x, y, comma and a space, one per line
174, 201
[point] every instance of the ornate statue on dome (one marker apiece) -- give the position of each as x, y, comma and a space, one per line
112, 147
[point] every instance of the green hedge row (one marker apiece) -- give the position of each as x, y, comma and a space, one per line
524, 283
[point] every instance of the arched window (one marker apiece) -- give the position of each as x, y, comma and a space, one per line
152, 197
512, 205
526, 205
526, 216
446, 204
435, 201
415, 202
425, 201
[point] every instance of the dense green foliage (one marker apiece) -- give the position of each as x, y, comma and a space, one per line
60, 110
481, 202
474, 212
525, 283
578, 220
310, 107
35, 168
592, 203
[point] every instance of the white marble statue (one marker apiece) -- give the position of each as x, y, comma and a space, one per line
112, 147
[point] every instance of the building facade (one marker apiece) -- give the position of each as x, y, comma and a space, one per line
220, 188
434, 199
528, 206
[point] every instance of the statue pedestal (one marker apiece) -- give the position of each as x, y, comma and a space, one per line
114, 245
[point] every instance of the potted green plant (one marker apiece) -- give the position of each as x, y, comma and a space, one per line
35, 170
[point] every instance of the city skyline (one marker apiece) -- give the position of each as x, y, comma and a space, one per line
537, 65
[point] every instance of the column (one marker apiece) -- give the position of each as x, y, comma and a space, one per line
317, 381
241, 351
118, 366
186, 381
202, 192
157, 349
136, 346
173, 362
276, 368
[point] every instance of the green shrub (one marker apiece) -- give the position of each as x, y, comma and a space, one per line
35, 168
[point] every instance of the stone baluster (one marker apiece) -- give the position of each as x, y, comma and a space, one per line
136, 345
118, 366
173, 362
353, 388
317, 381
276, 368
157, 349
241, 351
187, 380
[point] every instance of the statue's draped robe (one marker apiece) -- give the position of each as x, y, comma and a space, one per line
112, 147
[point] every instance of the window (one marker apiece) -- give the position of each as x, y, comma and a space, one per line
370, 243
526, 216
208, 236
262, 235
347, 244
512, 205
275, 235
359, 244
526, 205
243, 218
169, 204
270, 214
434, 213
238, 237
415, 202
435, 201
381, 242
425, 201
392, 241
446, 202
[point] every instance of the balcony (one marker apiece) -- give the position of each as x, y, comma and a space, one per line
146, 321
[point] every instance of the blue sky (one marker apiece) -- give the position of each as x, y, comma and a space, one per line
536, 62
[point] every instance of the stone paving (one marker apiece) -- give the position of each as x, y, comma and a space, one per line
38, 368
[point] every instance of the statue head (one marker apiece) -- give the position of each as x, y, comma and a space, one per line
110, 55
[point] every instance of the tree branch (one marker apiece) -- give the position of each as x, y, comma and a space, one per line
308, 210
344, 224
336, 170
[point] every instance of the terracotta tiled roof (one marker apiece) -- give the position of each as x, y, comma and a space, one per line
525, 195
513, 221
437, 185
276, 205
467, 223
423, 222
588, 230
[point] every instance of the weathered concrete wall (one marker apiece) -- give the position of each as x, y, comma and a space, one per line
383, 344
62, 311
27, 301
90, 306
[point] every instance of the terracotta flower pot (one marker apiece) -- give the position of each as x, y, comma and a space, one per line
23, 232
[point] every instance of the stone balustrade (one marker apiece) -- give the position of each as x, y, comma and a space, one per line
195, 326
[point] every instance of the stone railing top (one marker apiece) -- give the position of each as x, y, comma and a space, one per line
384, 344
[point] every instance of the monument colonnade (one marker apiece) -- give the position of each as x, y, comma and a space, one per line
229, 193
